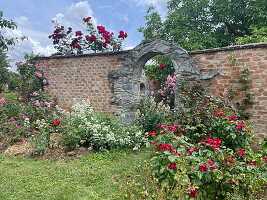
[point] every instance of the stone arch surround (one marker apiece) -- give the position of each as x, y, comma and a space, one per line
127, 88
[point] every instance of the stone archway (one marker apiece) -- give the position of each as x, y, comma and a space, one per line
127, 88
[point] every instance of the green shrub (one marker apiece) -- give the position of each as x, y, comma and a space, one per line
150, 114
83, 127
215, 171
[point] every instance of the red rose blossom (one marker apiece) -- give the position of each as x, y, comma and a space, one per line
251, 163
172, 166
203, 167
56, 123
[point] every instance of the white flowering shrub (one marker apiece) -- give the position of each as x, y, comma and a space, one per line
83, 127
150, 114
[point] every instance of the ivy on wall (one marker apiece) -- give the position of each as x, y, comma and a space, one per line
244, 80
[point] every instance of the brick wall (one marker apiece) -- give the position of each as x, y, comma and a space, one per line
81, 77
86, 77
253, 56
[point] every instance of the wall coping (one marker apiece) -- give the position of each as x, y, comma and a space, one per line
228, 48
83, 55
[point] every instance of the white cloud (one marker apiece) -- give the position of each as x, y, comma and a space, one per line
123, 17
22, 21
75, 13
128, 48
26, 46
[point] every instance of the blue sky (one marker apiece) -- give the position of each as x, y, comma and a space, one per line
34, 17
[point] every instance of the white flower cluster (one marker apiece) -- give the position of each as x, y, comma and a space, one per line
101, 132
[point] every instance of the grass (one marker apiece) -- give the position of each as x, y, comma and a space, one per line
88, 178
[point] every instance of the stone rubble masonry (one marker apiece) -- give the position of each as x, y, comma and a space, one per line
110, 80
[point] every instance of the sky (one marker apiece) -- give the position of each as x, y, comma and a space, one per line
33, 18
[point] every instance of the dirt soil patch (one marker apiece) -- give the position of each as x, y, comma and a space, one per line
57, 153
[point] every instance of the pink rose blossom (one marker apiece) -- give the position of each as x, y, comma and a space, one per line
2, 100
37, 103
39, 74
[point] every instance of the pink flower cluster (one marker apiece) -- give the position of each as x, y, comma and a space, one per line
2, 101
168, 87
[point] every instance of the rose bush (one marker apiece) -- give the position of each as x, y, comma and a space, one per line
213, 170
98, 39
207, 149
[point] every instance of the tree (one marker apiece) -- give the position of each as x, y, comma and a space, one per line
5, 43
202, 24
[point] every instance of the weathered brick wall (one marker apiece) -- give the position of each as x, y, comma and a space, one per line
86, 77
81, 77
252, 56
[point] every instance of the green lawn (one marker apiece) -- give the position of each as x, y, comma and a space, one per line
88, 178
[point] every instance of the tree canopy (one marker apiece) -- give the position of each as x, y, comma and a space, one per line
203, 24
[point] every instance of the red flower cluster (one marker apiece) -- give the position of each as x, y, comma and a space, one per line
191, 150
203, 167
92, 38
171, 127
241, 153
69, 30
165, 147
162, 66
75, 44
214, 142
78, 33
219, 113
232, 118
251, 163
122, 35
58, 34
211, 164
105, 34
172, 166
239, 126
86, 19
56, 123
193, 192
142, 85
153, 133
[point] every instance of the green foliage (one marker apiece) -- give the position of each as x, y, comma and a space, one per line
14, 81
207, 150
4, 65
245, 82
146, 186
258, 35
40, 135
207, 168
204, 24
150, 114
